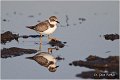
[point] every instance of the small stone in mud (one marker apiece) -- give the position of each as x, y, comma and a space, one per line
14, 51
111, 37
8, 36
14, 12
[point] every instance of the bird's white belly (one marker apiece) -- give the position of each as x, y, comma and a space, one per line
50, 30
48, 57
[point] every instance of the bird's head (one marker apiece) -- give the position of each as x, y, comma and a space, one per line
53, 20
52, 68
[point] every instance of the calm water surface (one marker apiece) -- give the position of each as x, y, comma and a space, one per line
82, 37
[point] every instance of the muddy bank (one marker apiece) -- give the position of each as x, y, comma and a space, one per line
111, 37
8, 36
14, 51
109, 64
98, 62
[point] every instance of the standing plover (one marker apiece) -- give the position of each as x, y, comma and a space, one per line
45, 59
46, 27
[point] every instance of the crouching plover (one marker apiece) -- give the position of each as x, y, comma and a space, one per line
45, 59
46, 27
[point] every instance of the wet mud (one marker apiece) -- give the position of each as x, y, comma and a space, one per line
111, 37
14, 51
56, 43
109, 64
32, 36
8, 36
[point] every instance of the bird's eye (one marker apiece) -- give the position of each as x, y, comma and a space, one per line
52, 19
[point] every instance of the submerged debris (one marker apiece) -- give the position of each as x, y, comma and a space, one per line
57, 43
31, 16
67, 18
32, 36
81, 20
4, 20
109, 64
14, 51
8, 36
107, 51
60, 58
111, 37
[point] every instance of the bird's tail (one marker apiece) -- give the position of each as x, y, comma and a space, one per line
31, 58
31, 27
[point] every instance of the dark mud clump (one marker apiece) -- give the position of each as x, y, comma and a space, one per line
111, 37
14, 51
57, 43
8, 36
109, 64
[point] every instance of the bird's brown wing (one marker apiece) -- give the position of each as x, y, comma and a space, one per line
42, 26
41, 60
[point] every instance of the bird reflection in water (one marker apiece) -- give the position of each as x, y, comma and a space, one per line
46, 59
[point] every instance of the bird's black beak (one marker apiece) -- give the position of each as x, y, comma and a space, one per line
56, 66
57, 21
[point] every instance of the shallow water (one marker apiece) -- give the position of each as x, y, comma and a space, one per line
82, 37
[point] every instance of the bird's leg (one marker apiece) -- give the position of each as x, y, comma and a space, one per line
50, 38
40, 42
51, 49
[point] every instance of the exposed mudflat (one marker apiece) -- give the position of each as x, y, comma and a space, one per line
109, 64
